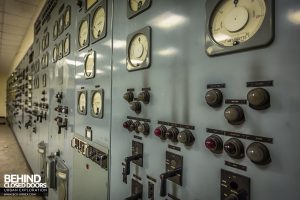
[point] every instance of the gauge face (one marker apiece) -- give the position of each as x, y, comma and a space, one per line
89, 65
55, 30
82, 102
235, 22
97, 103
60, 50
83, 33
67, 45
98, 22
89, 4
44, 80
136, 5
138, 50
67, 16
46, 60
55, 52
61, 25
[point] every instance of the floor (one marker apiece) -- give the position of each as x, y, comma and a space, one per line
12, 160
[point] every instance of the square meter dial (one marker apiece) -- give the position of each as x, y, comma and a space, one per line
238, 25
98, 22
138, 54
82, 102
97, 103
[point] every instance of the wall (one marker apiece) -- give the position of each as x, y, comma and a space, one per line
2, 94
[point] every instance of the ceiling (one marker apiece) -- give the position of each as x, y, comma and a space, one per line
15, 19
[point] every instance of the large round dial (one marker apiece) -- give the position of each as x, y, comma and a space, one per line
67, 45
138, 50
55, 30
97, 103
98, 22
234, 22
83, 33
67, 17
82, 102
136, 5
89, 65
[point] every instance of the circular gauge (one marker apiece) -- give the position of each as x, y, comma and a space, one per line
61, 24
89, 65
97, 103
55, 30
83, 33
82, 102
60, 49
136, 5
138, 50
235, 22
66, 45
98, 22
67, 17
55, 53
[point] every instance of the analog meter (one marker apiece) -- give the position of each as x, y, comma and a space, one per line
55, 30
135, 7
60, 25
44, 79
55, 53
67, 45
97, 103
89, 65
98, 24
60, 50
138, 49
67, 17
83, 33
235, 25
37, 66
82, 102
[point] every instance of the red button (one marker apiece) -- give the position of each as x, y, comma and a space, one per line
210, 144
157, 132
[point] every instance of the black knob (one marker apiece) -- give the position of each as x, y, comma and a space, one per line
134, 126
127, 125
144, 96
172, 134
214, 98
136, 106
234, 148
164, 177
186, 137
234, 114
214, 143
144, 128
128, 160
128, 96
259, 98
258, 153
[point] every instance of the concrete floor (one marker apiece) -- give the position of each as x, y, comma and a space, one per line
12, 160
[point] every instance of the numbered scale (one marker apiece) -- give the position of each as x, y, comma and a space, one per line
238, 25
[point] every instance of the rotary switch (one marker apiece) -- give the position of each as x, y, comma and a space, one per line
127, 125
144, 128
234, 148
134, 126
258, 153
234, 114
186, 137
214, 143
161, 132
136, 106
258, 98
214, 98
172, 134
128, 96
144, 96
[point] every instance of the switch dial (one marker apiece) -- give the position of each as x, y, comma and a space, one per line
134, 126
136, 106
128, 96
144, 96
161, 132
144, 128
259, 98
234, 148
172, 134
234, 114
127, 125
214, 98
186, 137
214, 143
258, 153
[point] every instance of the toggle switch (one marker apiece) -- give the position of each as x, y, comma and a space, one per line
172, 134
234, 114
214, 143
144, 96
234, 148
258, 98
128, 96
186, 137
258, 153
214, 98
161, 132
